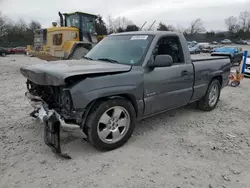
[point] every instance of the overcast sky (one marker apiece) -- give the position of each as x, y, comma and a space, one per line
176, 12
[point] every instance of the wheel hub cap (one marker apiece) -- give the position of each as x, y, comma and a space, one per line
213, 95
113, 124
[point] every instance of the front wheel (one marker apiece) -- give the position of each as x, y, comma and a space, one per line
78, 53
111, 124
210, 100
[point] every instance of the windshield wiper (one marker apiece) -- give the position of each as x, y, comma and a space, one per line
88, 58
109, 60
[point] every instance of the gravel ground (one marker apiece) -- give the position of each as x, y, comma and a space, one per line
184, 148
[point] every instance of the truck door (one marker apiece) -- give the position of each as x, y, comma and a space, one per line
168, 87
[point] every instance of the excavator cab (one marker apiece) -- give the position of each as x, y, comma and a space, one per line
73, 39
84, 22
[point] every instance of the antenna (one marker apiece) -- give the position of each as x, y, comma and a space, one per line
143, 25
152, 25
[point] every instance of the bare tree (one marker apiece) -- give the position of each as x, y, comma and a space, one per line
164, 27
33, 25
121, 23
110, 24
232, 24
180, 29
2, 25
118, 24
196, 26
244, 19
21, 25
171, 28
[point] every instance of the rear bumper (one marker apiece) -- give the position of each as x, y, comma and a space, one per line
247, 73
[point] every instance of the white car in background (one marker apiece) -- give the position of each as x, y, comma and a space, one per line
226, 41
247, 68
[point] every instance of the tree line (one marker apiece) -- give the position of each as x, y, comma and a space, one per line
239, 27
20, 33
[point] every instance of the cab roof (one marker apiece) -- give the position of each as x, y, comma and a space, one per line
155, 33
87, 14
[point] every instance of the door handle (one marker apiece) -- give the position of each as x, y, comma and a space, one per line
184, 73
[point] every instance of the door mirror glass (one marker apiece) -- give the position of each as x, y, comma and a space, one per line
162, 61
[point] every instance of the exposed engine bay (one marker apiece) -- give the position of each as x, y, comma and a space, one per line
49, 94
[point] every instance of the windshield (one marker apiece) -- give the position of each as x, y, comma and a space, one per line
72, 20
125, 49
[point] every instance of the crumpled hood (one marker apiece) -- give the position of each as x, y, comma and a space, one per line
55, 72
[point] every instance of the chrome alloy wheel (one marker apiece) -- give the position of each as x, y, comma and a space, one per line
113, 124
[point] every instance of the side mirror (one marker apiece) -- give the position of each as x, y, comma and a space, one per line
162, 61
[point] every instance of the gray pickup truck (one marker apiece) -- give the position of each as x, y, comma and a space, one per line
124, 78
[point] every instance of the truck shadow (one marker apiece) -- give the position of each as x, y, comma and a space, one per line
72, 139
177, 121
164, 119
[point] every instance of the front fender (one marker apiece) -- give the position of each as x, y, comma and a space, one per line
81, 100
92, 88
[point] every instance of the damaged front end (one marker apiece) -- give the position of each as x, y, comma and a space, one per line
50, 107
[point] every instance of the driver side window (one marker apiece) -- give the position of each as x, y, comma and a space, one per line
170, 45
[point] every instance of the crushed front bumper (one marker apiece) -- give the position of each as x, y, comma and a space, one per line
52, 123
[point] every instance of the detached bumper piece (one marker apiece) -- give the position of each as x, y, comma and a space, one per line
51, 122
52, 136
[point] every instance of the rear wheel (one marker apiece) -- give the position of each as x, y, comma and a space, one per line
235, 83
210, 100
232, 60
79, 52
111, 123
3, 54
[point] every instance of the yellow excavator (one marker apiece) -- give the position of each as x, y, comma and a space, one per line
73, 39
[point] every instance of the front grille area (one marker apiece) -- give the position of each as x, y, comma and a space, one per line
40, 39
49, 94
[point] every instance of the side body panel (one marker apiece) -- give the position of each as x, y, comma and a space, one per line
166, 88
205, 71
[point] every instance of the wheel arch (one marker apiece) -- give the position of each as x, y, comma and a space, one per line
219, 78
129, 97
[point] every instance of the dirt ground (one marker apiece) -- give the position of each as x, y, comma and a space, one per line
185, 148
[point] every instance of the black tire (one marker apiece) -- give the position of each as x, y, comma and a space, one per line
235, 83
238, 63
3, 54
203, 104
92, 123
232, 60
78, 53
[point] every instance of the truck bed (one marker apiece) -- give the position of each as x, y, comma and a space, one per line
206, 58
206, 67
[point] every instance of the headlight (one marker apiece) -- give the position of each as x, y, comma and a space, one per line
74, 35
66, 100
